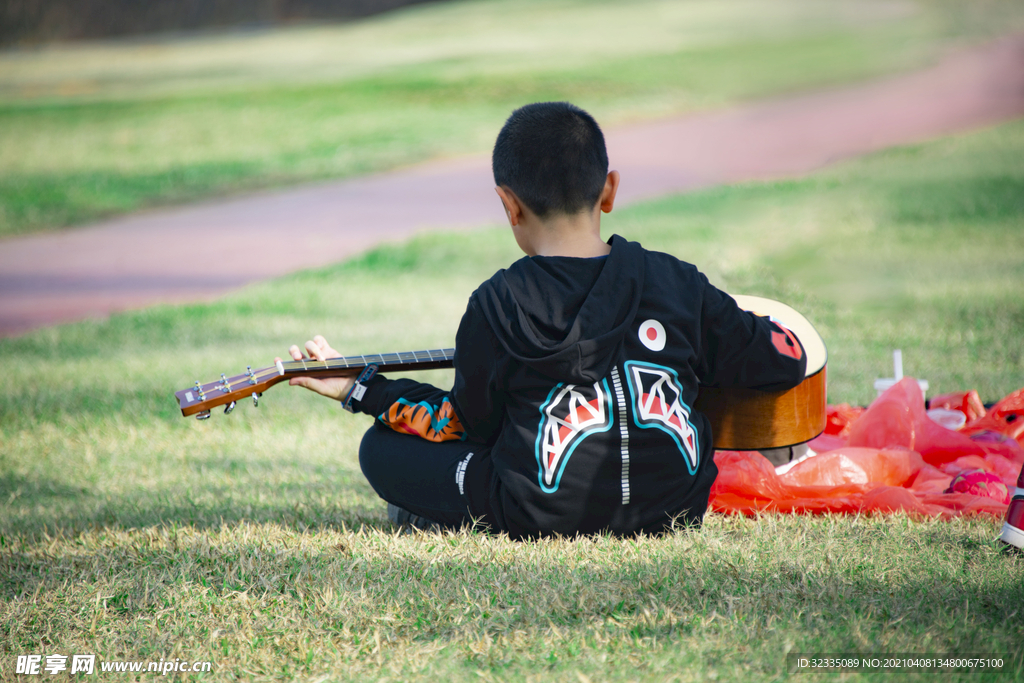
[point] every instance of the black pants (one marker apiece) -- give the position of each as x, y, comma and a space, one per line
447, 482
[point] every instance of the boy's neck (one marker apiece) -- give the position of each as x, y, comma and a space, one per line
577, 235
563, 234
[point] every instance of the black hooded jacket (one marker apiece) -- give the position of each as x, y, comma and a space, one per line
578, 375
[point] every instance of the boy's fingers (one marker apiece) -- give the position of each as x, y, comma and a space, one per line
317, 348
325, 347
314, 350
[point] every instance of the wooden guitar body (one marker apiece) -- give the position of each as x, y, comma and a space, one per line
751, 420
741, 419
747, 419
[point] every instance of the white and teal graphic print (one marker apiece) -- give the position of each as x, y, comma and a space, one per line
570, 414
657, 400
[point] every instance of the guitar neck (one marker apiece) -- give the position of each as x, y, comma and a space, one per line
395, 362
742, 419
199, 399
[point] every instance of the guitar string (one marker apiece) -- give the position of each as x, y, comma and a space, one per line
394, 358
345, 362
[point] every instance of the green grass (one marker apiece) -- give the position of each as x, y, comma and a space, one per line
269, 601
916, 248
98, 129
254, 542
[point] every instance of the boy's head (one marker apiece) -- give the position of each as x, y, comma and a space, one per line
552, 156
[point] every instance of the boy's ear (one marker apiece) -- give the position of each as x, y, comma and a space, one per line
513, 209
611, 186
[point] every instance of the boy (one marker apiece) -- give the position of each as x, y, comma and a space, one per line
575, 368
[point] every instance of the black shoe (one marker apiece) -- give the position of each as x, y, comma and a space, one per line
406, 519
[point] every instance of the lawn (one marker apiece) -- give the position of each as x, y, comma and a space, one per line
98, 129
253, 542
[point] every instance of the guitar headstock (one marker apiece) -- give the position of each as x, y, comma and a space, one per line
200, 399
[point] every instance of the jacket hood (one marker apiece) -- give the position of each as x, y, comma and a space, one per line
552, 315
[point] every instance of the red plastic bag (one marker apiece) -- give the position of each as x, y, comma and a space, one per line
853, 465
839, 419
1005, 417
747, 484
897, 419
967, 402
896, 460
998, 444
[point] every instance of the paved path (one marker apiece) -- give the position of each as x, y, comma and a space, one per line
199, 252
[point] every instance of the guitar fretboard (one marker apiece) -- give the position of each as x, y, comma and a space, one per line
437, 358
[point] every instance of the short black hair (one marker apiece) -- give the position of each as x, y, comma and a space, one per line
552, 156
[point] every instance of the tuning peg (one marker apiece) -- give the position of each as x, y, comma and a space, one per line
256, 399
205, 415
229, 407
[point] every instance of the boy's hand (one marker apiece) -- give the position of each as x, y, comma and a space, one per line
336, 388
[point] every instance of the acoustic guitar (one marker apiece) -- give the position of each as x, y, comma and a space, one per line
750, 420
741, 419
